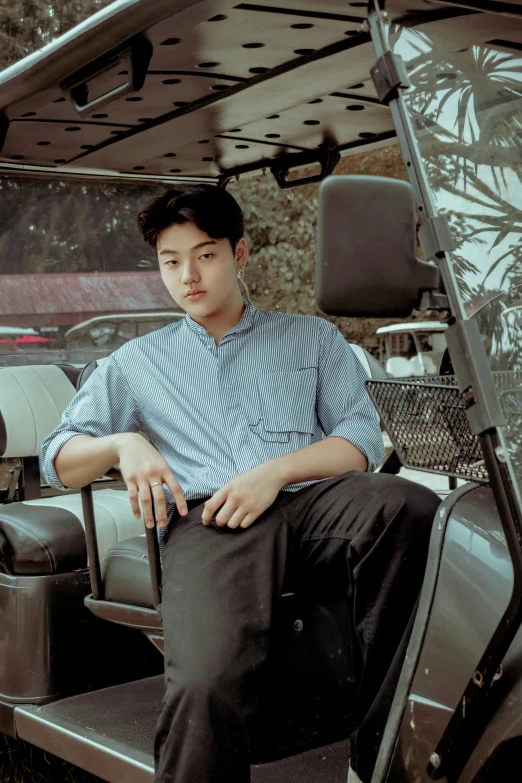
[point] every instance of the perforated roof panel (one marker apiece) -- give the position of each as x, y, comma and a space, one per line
224, 87
228, 85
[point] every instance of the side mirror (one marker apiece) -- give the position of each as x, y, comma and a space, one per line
366, 265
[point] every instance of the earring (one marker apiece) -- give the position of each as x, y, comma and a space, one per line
239, 272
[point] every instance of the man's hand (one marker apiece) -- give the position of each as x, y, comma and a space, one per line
145, 472
245, 497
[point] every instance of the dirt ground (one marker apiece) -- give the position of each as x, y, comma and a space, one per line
5, 467
21, 762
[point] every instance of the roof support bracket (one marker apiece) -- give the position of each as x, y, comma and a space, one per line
328, 160
435, 237
389, 74
476, 385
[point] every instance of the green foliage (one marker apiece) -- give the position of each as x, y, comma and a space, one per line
27, 25
68, 226
466, 110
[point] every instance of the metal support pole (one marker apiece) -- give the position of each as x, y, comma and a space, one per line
154, 559
92, 543
31, 478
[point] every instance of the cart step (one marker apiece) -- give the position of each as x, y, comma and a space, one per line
110, 733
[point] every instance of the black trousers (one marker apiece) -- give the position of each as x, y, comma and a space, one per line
359, 535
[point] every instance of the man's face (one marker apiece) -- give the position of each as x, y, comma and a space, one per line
190, 260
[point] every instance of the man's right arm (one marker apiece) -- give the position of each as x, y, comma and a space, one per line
84, 458
84, 445
101, 428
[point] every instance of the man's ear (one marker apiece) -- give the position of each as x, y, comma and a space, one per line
241, 253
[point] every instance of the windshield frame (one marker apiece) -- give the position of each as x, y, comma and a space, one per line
466, 350
481, 401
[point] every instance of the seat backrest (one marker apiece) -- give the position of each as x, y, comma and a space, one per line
399, 367
88, 370
430, 363
416, 366
371, 365
32, 400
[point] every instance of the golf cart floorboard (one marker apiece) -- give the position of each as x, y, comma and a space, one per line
110, 733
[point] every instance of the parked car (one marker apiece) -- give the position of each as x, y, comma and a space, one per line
80, 646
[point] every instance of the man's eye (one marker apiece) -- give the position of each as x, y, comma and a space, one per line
207, 255
171, 262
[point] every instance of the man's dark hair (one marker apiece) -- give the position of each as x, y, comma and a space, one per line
212, 209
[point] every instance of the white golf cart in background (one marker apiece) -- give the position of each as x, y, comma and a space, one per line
112, 331
412, 349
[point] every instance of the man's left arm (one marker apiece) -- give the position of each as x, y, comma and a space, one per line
353, 441
348, 419
344, 407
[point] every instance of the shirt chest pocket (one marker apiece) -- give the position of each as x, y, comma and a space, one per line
286, 404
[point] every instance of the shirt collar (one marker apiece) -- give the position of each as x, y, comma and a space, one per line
244, 322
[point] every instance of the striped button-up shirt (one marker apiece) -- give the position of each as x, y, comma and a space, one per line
275, 383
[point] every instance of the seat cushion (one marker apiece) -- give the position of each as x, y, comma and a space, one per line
126, 573
46, 536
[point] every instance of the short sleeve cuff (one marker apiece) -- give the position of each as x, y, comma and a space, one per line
373, 451
51, 452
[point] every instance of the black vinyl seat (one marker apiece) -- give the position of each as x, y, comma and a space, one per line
126, 573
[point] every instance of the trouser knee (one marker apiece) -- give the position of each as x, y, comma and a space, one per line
411, 505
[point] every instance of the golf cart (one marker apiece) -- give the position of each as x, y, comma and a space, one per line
112, 331
153, 92
412, 349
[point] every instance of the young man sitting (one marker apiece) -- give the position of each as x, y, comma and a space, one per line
234, 402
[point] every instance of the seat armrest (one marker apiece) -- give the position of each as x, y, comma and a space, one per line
97, 586
40, 539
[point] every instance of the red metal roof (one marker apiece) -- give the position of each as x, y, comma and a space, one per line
33, 298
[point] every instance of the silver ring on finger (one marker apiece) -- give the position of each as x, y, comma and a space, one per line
156, 483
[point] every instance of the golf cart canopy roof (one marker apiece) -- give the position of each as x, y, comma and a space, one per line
206, 89
418, 326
